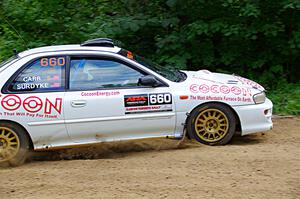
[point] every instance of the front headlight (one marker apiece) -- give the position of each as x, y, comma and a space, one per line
259, 98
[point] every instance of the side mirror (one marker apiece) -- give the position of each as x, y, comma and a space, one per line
149, 80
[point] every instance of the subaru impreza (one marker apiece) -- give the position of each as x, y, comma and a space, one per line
62, 96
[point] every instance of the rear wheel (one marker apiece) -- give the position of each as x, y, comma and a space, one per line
212, 124
14, 145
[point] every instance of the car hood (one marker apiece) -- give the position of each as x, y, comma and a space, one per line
220, 78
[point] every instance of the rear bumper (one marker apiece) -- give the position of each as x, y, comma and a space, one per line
255, 118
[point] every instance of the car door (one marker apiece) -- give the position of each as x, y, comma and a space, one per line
105, 102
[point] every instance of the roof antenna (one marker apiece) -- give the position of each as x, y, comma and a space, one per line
15, 52
24, 43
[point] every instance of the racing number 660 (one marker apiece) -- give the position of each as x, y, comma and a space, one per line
161, 98
59, 61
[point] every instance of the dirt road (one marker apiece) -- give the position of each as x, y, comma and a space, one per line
256, 166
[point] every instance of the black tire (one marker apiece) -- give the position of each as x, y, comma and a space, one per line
212, 124
21, 154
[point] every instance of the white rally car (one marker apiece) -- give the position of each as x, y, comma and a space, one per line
62, 96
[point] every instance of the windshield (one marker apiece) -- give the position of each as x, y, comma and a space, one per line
7, 61
170, 74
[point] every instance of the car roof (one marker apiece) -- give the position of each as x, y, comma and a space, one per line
114, 49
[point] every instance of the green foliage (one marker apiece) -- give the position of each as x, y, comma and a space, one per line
286, 99
256, 39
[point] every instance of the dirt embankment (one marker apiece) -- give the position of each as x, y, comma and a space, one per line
263, 165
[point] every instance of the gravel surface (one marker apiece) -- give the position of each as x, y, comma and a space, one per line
262, 165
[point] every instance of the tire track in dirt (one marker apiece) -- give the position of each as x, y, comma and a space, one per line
263, 165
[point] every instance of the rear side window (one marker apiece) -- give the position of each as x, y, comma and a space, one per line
44, 74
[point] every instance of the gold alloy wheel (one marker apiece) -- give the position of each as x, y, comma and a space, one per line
211, 125
9, 144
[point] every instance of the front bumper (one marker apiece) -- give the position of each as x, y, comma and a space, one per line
255, 118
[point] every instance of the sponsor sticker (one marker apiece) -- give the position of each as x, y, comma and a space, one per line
99, 93
136, 100
223, 89
248, 82
221, 98
144, 103
31, 106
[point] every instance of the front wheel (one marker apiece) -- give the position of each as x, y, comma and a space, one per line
212, 124
14, 145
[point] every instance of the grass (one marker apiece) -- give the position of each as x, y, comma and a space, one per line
286, 99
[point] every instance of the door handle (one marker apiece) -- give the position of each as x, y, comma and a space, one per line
78, 103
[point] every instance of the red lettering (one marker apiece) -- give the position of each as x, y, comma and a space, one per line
236, 90
11, 102
135, 99
214, 89
246, 92
204, 88
56, 106
33, 104
225, 89
194, 88
249, 82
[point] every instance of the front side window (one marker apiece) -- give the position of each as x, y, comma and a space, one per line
92, 73
169, 73
44, 74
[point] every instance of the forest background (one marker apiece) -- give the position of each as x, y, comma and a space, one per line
257, 39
